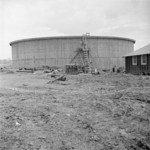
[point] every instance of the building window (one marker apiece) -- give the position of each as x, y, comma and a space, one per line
143, 60
134, 60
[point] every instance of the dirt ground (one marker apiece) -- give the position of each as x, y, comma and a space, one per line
109, 111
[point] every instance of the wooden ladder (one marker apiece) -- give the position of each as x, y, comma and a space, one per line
86, 61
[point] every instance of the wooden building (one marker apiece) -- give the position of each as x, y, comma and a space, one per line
138, 62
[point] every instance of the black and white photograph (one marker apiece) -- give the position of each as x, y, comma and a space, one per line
74, 74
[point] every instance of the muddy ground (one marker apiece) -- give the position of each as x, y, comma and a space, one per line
104, 112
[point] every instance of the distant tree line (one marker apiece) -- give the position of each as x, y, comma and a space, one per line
5, 61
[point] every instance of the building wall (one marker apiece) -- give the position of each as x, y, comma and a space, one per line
137, 69
105, 52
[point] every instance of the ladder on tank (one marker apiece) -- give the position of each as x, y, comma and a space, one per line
86, 54
82, 56
86, 61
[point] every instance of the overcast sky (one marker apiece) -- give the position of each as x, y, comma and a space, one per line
39, 18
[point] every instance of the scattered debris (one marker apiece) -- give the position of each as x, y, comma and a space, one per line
17, 123
121, 70
106, 70
106, 111
10, 71
47, 71
25, 71
95, 72
60, 78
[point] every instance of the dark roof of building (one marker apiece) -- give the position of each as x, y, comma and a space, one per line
71, 37
141, 51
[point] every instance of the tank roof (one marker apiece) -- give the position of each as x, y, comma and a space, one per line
71, 37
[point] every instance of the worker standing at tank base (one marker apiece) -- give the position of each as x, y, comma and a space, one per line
114, 69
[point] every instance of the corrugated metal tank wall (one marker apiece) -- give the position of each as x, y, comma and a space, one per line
105, 52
